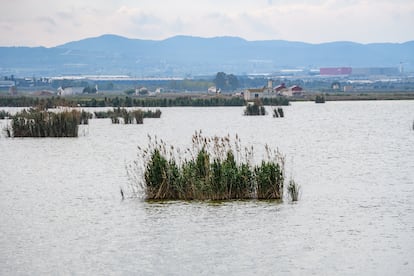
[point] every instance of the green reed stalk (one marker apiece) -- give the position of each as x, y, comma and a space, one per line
212, 170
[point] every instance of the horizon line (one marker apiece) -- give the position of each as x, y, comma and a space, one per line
201, 37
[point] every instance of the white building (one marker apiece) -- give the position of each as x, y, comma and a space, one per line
213, 90
68, 91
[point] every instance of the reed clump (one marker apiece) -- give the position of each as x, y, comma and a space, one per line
214, 168
128, 117
4, 114
39, 123
320, 99
293, 190
278, 112
255, 109
84, 117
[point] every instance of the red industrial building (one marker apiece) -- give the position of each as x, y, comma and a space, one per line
335, 71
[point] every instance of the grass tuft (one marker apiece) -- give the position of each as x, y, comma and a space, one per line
293, 190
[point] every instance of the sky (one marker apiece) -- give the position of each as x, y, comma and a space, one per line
54, 22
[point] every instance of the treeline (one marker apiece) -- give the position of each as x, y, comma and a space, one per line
52, 102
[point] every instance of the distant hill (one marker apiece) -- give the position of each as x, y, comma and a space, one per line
182, 55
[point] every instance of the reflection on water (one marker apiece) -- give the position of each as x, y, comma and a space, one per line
62, 213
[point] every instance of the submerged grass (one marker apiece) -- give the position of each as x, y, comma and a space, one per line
214, 168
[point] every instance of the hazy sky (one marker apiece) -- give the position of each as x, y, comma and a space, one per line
54, 22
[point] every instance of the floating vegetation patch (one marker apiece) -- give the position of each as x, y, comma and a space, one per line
293, 190
320, 99
84, 117
129, 117
4, 114
278, 112
214, 168
255, 109
39, 123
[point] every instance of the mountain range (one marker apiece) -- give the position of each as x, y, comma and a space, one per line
186, 55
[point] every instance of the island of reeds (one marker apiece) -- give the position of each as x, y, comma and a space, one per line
214, 168
278, 112
129, 117
255, 108
41, 123
320, 99
4, 114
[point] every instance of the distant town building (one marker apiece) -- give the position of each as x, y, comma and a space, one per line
70, 90
13, 90
357, 71
214, 90
348, 88
376, 71
335, 71
141, 91
270, 91
293, 91
7, 83
254, 93
280, 88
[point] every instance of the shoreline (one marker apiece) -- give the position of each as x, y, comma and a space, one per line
365, 96
190, 99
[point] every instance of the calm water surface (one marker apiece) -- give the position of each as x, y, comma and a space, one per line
61, 210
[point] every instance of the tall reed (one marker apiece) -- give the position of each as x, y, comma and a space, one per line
128, 116
84, 117
214, 168
36, 123
4, 114
293, 190
278, 112
255, 109
320, 99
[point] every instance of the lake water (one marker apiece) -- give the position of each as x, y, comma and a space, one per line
62, 213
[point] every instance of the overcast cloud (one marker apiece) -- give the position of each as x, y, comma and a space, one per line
54, 22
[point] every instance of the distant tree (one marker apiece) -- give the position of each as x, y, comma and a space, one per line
129, 91
233, 82
226, 82
109, 86
128, 101
221, 80
89, 90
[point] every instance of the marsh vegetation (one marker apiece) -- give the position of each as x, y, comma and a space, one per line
293, 190
4, 114
40, 123
128, 117
213, 168
278, 112
320, 99
255, 109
